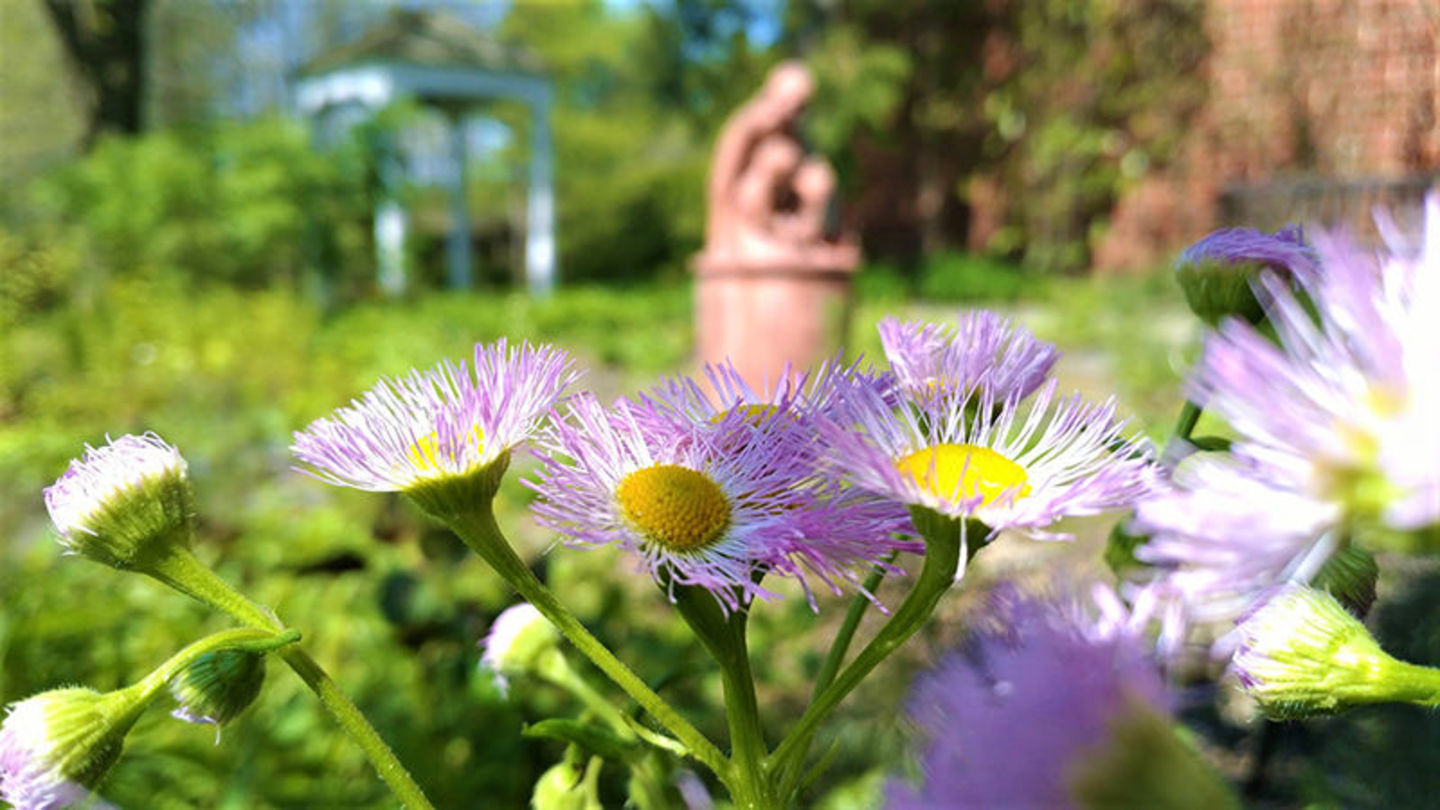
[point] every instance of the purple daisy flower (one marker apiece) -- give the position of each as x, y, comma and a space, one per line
1013, 718
842, 530
1409, 445
1005, 466
799, 398
1225, 532
1342, 402
981, 350
450, 422
1219, 273
703, 503
119, 498
55, 748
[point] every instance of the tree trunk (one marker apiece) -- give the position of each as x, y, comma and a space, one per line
105, 42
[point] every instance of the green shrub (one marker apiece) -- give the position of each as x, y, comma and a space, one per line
244, 204
976, 278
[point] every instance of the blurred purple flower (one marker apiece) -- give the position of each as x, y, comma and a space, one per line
1284, 251
1336, 423
1226, 531
1343, 403
1011, 716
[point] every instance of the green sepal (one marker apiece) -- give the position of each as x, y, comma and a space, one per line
137, 524
1218, 290
1146, 763
1350, 575
1211, 444
938, 528
451, 496
85, 729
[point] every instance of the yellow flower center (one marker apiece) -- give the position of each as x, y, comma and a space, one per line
425, 452
675, 507
963, 471
755, 414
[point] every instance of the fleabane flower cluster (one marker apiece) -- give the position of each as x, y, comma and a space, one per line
123, 501
442, 436
1338, 440
711, 494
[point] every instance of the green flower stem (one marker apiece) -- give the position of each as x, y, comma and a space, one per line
477, 528
137, 697
1412, 683
1184, 426
180, 570
1188, 419
723, 635
750, 780
942, 558
846, 633
349, 716
558, 671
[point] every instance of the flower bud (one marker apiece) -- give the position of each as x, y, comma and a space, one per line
124, 502
57, 746
218, 686
1218, 272
1302, 654
565, 786
517, 643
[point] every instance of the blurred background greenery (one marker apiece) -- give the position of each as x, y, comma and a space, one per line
184, 260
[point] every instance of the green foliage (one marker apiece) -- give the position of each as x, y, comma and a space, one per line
967, 277
947, 277
625, 215
1149, 764
1101, 94
858, 86
630, 157
393, 606
1056, 106
36, 277
243, 204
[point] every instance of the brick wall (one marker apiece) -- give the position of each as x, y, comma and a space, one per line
1318, 109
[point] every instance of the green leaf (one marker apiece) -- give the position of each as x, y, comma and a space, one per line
597, 740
